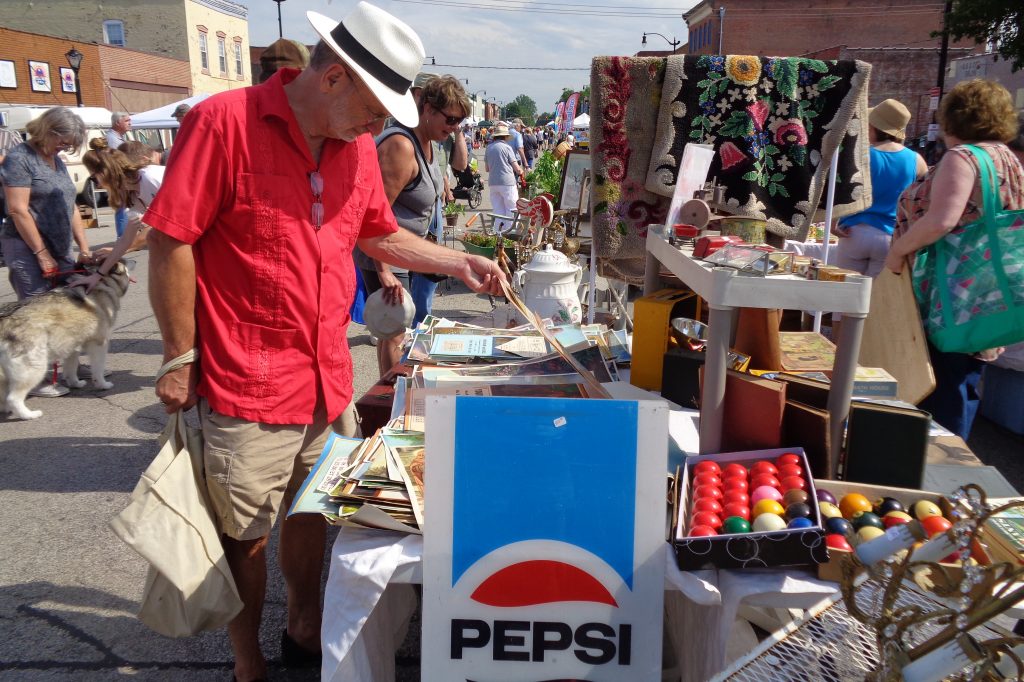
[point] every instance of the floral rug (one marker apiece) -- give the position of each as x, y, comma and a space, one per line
775, 124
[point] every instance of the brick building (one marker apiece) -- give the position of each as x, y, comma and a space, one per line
894, 36
987, 66
211, 36
117, 78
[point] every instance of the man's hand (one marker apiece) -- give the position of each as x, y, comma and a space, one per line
482, 275
391, 286
177, 389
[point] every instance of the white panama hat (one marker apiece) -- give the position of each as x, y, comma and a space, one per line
388, 321
383, 51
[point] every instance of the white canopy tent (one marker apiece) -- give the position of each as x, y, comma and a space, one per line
581, 122
161, 116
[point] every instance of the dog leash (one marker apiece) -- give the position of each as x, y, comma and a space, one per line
186, 358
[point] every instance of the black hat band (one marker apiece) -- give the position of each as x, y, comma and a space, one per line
368, 61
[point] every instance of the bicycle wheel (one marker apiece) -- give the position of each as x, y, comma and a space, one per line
475, 197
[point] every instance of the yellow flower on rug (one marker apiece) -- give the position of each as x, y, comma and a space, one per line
743, 69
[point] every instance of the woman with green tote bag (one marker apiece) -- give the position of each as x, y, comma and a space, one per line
962, 228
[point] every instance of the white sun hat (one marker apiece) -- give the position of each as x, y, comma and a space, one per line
388, 321
383, 51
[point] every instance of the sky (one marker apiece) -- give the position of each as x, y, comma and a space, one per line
466, 33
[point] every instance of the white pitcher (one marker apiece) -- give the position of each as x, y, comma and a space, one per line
548, 285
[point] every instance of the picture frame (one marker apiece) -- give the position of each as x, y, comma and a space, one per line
8, 74
39, 76
574, 171
67, 79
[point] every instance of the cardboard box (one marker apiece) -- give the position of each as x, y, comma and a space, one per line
790, 547
652, 316
832, 569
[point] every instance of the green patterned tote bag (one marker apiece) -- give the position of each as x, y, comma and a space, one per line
970, 284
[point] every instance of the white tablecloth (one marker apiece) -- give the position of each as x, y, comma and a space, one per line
370, 599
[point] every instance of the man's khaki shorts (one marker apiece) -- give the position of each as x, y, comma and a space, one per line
253, 470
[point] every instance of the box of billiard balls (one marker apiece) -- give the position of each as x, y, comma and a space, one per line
747, 510
853, 513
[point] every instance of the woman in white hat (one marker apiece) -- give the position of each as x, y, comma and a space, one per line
864, 237
503, 174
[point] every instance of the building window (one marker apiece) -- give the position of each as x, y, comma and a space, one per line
113, 32
204, 53
222, 56
238, 59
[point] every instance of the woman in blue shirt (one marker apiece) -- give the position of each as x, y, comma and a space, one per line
864, 237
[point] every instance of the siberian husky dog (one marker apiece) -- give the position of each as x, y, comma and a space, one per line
57, 325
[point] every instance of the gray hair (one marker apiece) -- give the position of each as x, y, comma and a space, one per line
117, 116
323, 55
59, 121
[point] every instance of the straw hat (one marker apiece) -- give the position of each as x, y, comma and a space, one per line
891, 117
388, 321
500, 131
383, 51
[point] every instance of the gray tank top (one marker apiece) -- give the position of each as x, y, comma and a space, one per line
414, 206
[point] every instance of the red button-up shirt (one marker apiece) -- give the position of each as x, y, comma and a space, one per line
273, 292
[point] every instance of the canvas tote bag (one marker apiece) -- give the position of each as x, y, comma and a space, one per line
189, 587
970, 283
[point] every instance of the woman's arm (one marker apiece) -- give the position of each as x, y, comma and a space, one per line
398, 167
17, 209
78, 232
951, 189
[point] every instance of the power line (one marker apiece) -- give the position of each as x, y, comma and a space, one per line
516, 68
589, 5
535, 10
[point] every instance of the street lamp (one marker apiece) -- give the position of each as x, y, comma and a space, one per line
75, 60
280, 31
674, 43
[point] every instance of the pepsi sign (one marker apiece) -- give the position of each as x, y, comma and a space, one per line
544, 541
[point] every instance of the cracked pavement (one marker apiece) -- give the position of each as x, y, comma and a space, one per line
69, 589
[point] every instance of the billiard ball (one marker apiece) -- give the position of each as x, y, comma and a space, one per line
787, 458
800, 522
759, 480
765, 492
836, 541
763, 467
825, 496
885, 505
736, 509
828, 510
853, 503
925, 508
767, 507
838, 525
707, 479
896, 518
933, 525
707, 504
790, 470
869, 533
707, 466
734, 470
790, 482
735, 524
768, 522
736, 497
862, 519
798, 510
794, 495
706, 519
702, 531
707, 491
735, 483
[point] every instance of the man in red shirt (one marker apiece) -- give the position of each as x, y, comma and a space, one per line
251, 263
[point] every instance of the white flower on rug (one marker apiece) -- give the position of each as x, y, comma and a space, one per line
782, 109
767, 85
751, 94
723, 106
784, 163
715, 120
734, 94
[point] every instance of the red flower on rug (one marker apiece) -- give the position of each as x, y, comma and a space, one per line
731, 155
759, 112
791, 132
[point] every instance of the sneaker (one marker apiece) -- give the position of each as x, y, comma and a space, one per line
373, 340
48, 390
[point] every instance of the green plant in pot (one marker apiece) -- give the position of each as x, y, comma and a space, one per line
484, 244
451, 213
546, 176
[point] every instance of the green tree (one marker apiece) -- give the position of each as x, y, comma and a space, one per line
542, 119
522, 107
998, 21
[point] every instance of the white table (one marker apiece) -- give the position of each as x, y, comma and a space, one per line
370, 599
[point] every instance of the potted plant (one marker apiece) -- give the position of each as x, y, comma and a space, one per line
546, 176
451, 213
484, 244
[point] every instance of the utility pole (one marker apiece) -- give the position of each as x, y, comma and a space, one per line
944, 48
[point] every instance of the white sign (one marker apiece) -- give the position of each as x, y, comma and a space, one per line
933, 132
693, 173
544, 550
933, 103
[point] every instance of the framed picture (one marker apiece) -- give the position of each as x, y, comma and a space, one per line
575, 168
8, 76
39, 76
67, 79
